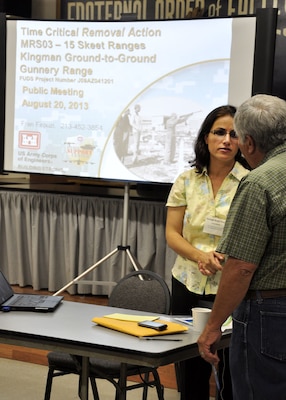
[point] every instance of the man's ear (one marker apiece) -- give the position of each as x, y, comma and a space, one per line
253, 155
250, 145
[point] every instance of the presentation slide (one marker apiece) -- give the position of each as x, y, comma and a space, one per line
119, 100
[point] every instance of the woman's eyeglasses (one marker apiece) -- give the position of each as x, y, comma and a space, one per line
223, 132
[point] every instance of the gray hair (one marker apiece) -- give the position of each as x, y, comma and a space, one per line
263, 117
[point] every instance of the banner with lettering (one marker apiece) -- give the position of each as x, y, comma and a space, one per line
103, 10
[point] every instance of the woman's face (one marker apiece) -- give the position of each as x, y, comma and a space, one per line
220, 140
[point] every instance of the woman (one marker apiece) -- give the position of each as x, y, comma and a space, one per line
198, 204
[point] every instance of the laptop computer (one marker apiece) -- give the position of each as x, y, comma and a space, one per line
10, 301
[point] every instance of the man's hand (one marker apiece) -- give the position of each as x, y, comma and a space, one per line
207, 343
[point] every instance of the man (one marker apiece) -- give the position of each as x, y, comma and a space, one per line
253, 282
136, 123
170, 144
121, 135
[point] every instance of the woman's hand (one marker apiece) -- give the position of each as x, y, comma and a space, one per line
209, 263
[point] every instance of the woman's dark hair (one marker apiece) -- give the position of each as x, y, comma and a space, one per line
202, 154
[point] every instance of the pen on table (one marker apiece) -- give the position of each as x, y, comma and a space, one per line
156, 338
216, 377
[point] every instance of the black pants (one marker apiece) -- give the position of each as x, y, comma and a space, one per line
195, 373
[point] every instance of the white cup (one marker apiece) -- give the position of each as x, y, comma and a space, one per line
200, 318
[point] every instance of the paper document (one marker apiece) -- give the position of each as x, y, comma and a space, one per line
227, 324
185, 320
129, 317
189, 321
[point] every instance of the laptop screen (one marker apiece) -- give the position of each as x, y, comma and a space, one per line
5, 289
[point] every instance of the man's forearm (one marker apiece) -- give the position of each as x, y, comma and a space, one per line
234, 283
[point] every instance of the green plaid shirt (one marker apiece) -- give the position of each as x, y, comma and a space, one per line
255, 229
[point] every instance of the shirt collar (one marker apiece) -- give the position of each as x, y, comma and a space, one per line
238, 171
274, 152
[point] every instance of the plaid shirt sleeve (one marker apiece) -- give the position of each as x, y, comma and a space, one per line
246, 231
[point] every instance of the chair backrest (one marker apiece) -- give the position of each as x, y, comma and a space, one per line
142, 290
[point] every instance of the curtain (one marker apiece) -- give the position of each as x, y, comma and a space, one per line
48, 239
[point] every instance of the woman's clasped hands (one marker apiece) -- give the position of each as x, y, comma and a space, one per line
210, 263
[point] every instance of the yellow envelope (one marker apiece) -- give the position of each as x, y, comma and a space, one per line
132, 328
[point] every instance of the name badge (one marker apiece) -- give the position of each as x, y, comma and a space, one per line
214, 226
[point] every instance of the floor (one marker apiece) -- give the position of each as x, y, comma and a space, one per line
26, 381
